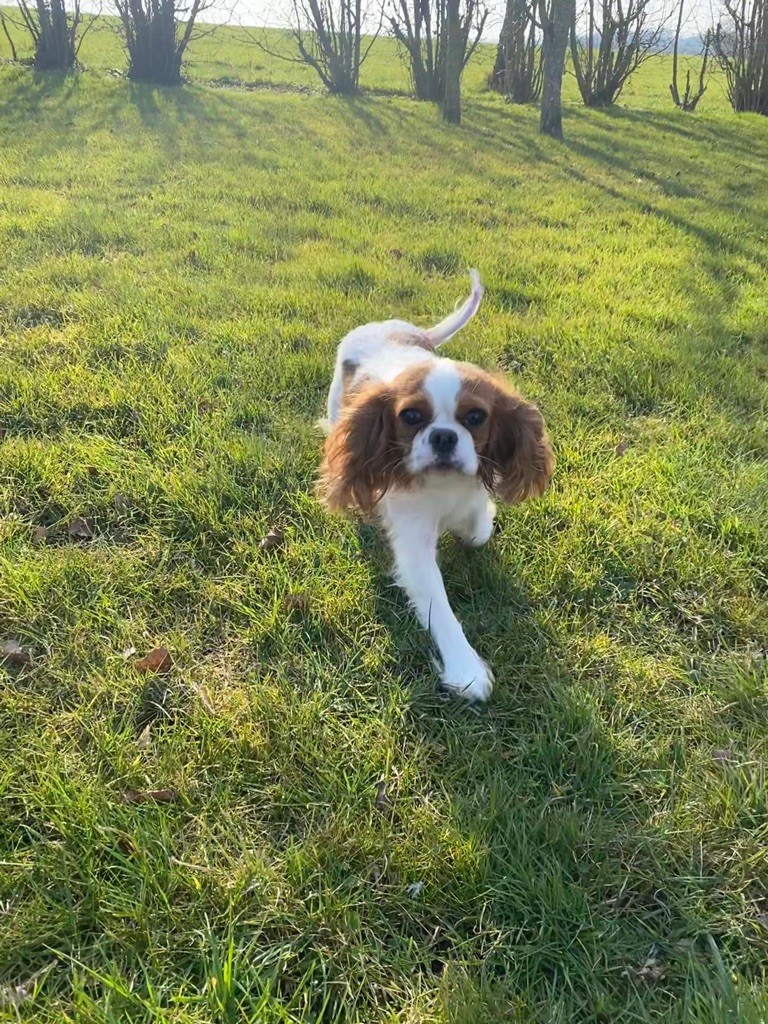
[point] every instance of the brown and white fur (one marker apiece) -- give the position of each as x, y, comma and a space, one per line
426, 443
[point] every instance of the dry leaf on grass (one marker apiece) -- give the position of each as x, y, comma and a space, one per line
150, 796
273, 539
39, 535
80, 528
724, 755
128, 653
620, 448
158, 660
204, 697
650, 972
15, 995
203, 868
92, 470
296, 603
145, 736
14, 653
127, 846
381, 802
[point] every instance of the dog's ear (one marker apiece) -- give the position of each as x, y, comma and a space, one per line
518, 460
361, 459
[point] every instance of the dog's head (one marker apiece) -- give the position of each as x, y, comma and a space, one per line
439, 417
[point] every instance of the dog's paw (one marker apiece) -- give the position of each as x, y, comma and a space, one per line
480, 529
468, 677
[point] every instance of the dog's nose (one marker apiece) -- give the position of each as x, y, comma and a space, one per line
443, 441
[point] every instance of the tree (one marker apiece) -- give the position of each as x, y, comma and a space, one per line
620, 36
741, 50
454, 64
555, 17
157, 34
421, 27
517, 72
54, 28
690, 98
329, 38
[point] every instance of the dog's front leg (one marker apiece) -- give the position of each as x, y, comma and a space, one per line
414, 544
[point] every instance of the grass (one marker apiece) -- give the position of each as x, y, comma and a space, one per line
177, 267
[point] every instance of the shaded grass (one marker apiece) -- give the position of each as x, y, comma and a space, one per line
177, 269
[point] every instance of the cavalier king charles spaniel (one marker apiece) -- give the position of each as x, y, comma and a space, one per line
425, 444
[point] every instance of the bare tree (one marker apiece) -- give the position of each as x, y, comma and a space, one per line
421, 26
56, 29
741, 50
689, 99
517, 72
8, 36
157, 34
620, 36
555, 18
329, 38
453, 64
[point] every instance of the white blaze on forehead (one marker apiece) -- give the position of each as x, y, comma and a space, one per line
443, 384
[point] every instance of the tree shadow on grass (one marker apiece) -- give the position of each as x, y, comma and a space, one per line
33, 90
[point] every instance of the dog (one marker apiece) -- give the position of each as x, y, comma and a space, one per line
425, 444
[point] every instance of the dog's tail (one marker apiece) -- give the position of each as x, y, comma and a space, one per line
446, 329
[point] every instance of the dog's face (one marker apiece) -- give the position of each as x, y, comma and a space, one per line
435, 418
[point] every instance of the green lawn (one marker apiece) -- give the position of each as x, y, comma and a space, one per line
177, 267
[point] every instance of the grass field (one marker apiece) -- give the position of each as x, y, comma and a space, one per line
176, 270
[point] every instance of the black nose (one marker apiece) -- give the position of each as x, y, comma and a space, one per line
443, 441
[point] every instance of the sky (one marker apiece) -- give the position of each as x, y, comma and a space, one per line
264, 12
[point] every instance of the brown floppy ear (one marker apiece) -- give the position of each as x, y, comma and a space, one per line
361, 458
518, 460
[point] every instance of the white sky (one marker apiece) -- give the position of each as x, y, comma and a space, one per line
264, 12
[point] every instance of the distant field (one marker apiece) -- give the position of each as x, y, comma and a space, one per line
177, 267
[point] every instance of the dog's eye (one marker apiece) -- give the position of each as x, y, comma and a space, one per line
475, 417
411, 417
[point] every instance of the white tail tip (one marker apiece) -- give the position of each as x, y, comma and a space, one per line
447, 328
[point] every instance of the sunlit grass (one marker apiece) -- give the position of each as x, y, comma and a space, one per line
177, 267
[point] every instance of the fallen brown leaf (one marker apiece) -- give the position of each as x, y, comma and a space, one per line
650, 972
14, 653
127, 846
80, 529
381, 802
724, 755
158, 660
296, 603
397, 253
15, 995
620, 448
145, 736
273, 539
150, 796
203, 697
39, 535
203, 868
92, 470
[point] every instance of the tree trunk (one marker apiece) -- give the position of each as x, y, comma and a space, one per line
556, 22
453, 65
